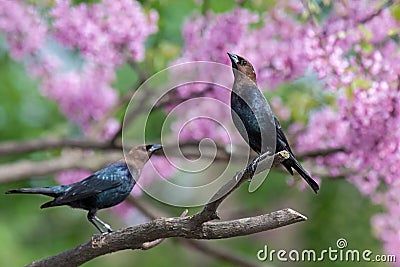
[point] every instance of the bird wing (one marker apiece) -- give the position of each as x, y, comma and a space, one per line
86, 188
281, 135
102, 180
251, 113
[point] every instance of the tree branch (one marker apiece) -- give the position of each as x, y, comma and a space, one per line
75, 160
197, 226
123, 101
377, 12
134, 237
320, 152
25, 168
207, 249
21, 147
189, 149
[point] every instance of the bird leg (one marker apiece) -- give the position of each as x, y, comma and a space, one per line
262, 162
105, 225
253, 166
93, 219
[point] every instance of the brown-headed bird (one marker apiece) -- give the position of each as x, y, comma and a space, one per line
253, 117
103, 189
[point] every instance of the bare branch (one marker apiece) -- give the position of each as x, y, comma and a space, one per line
188, 149
76, 160
21, 147
171, 98
377, 12
134, 237
320, 152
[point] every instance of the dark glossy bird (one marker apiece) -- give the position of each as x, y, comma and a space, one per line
254, 119
103, 189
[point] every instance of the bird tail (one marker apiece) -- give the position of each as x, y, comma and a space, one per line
303, 173
49, 204
51, 191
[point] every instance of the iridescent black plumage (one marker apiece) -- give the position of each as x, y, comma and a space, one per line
103, 189
251, 113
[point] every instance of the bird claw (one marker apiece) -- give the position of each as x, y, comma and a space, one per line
253, 166
99, 240
108, 227
255, 163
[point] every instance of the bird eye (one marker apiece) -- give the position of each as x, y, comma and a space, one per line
244, 62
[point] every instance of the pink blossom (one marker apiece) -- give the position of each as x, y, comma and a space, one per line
104, 34
105, 30
387, 225
83, 95
23, 27
110, 129
156, 168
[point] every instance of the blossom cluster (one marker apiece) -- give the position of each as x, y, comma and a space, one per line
105, 34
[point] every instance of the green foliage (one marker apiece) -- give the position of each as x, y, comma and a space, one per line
396, 11
21, 104
319, 9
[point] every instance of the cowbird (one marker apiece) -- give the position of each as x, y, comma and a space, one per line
251, 113
105, 188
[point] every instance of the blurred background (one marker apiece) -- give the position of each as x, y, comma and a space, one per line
328, 68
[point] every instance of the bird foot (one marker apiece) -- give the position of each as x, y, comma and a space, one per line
99, 240
108, 227
253, 166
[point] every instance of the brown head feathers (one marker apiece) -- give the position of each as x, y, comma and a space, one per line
242, 65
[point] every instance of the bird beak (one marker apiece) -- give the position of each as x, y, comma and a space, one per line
155, 147
234, 59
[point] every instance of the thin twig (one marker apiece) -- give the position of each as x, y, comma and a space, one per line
133, 113
320, 152
123, 101
49, 143
171, 99
76, 160
377, 12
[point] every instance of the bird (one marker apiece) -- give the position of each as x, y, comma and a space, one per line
105, 188
255, 120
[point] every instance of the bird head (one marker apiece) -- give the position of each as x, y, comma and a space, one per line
139, 155
242, 65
